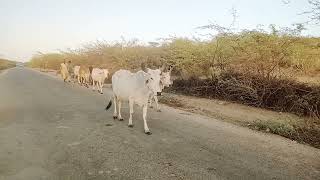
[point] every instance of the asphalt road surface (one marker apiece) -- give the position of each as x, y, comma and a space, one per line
53, 130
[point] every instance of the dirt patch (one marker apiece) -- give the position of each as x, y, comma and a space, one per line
300, 129
225, 110
172, 101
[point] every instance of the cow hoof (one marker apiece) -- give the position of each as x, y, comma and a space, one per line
101, 93
151, 107
130, 125
121, 119
115, 117
159, 110
148, 133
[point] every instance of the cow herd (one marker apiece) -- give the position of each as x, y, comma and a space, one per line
84, 75
139, 88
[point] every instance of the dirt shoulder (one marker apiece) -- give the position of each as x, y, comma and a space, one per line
231, 112
303, 130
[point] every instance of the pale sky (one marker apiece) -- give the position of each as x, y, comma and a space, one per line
28, 26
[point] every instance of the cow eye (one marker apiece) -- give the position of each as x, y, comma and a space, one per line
147, 81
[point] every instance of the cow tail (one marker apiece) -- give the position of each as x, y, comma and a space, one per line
109, 105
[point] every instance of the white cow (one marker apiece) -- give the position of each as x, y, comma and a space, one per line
135, 88
165, 81
98, 77
76, 73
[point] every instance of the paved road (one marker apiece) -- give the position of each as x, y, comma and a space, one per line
52, 130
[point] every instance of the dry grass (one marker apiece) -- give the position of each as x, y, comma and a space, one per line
5, 64
283, 95
303, 134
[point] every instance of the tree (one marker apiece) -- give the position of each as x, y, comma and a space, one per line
314, 12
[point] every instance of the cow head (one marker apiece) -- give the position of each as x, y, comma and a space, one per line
149, 82
166, 78
156, 80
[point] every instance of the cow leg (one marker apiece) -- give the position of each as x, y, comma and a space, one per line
91, 80
100, 87
150, 101
157, 104
144, 112
96, 84
119, 111
87, 83
64, 78
79, 79
131, 112
115, 107
93, 84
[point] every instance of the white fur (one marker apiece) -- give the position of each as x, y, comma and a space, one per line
135, 88
98, 78
165, 81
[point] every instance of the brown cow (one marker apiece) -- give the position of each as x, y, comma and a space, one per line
64, 71
84, 74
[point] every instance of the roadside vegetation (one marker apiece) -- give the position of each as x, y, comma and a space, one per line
255, 67
6, 64
276, 69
